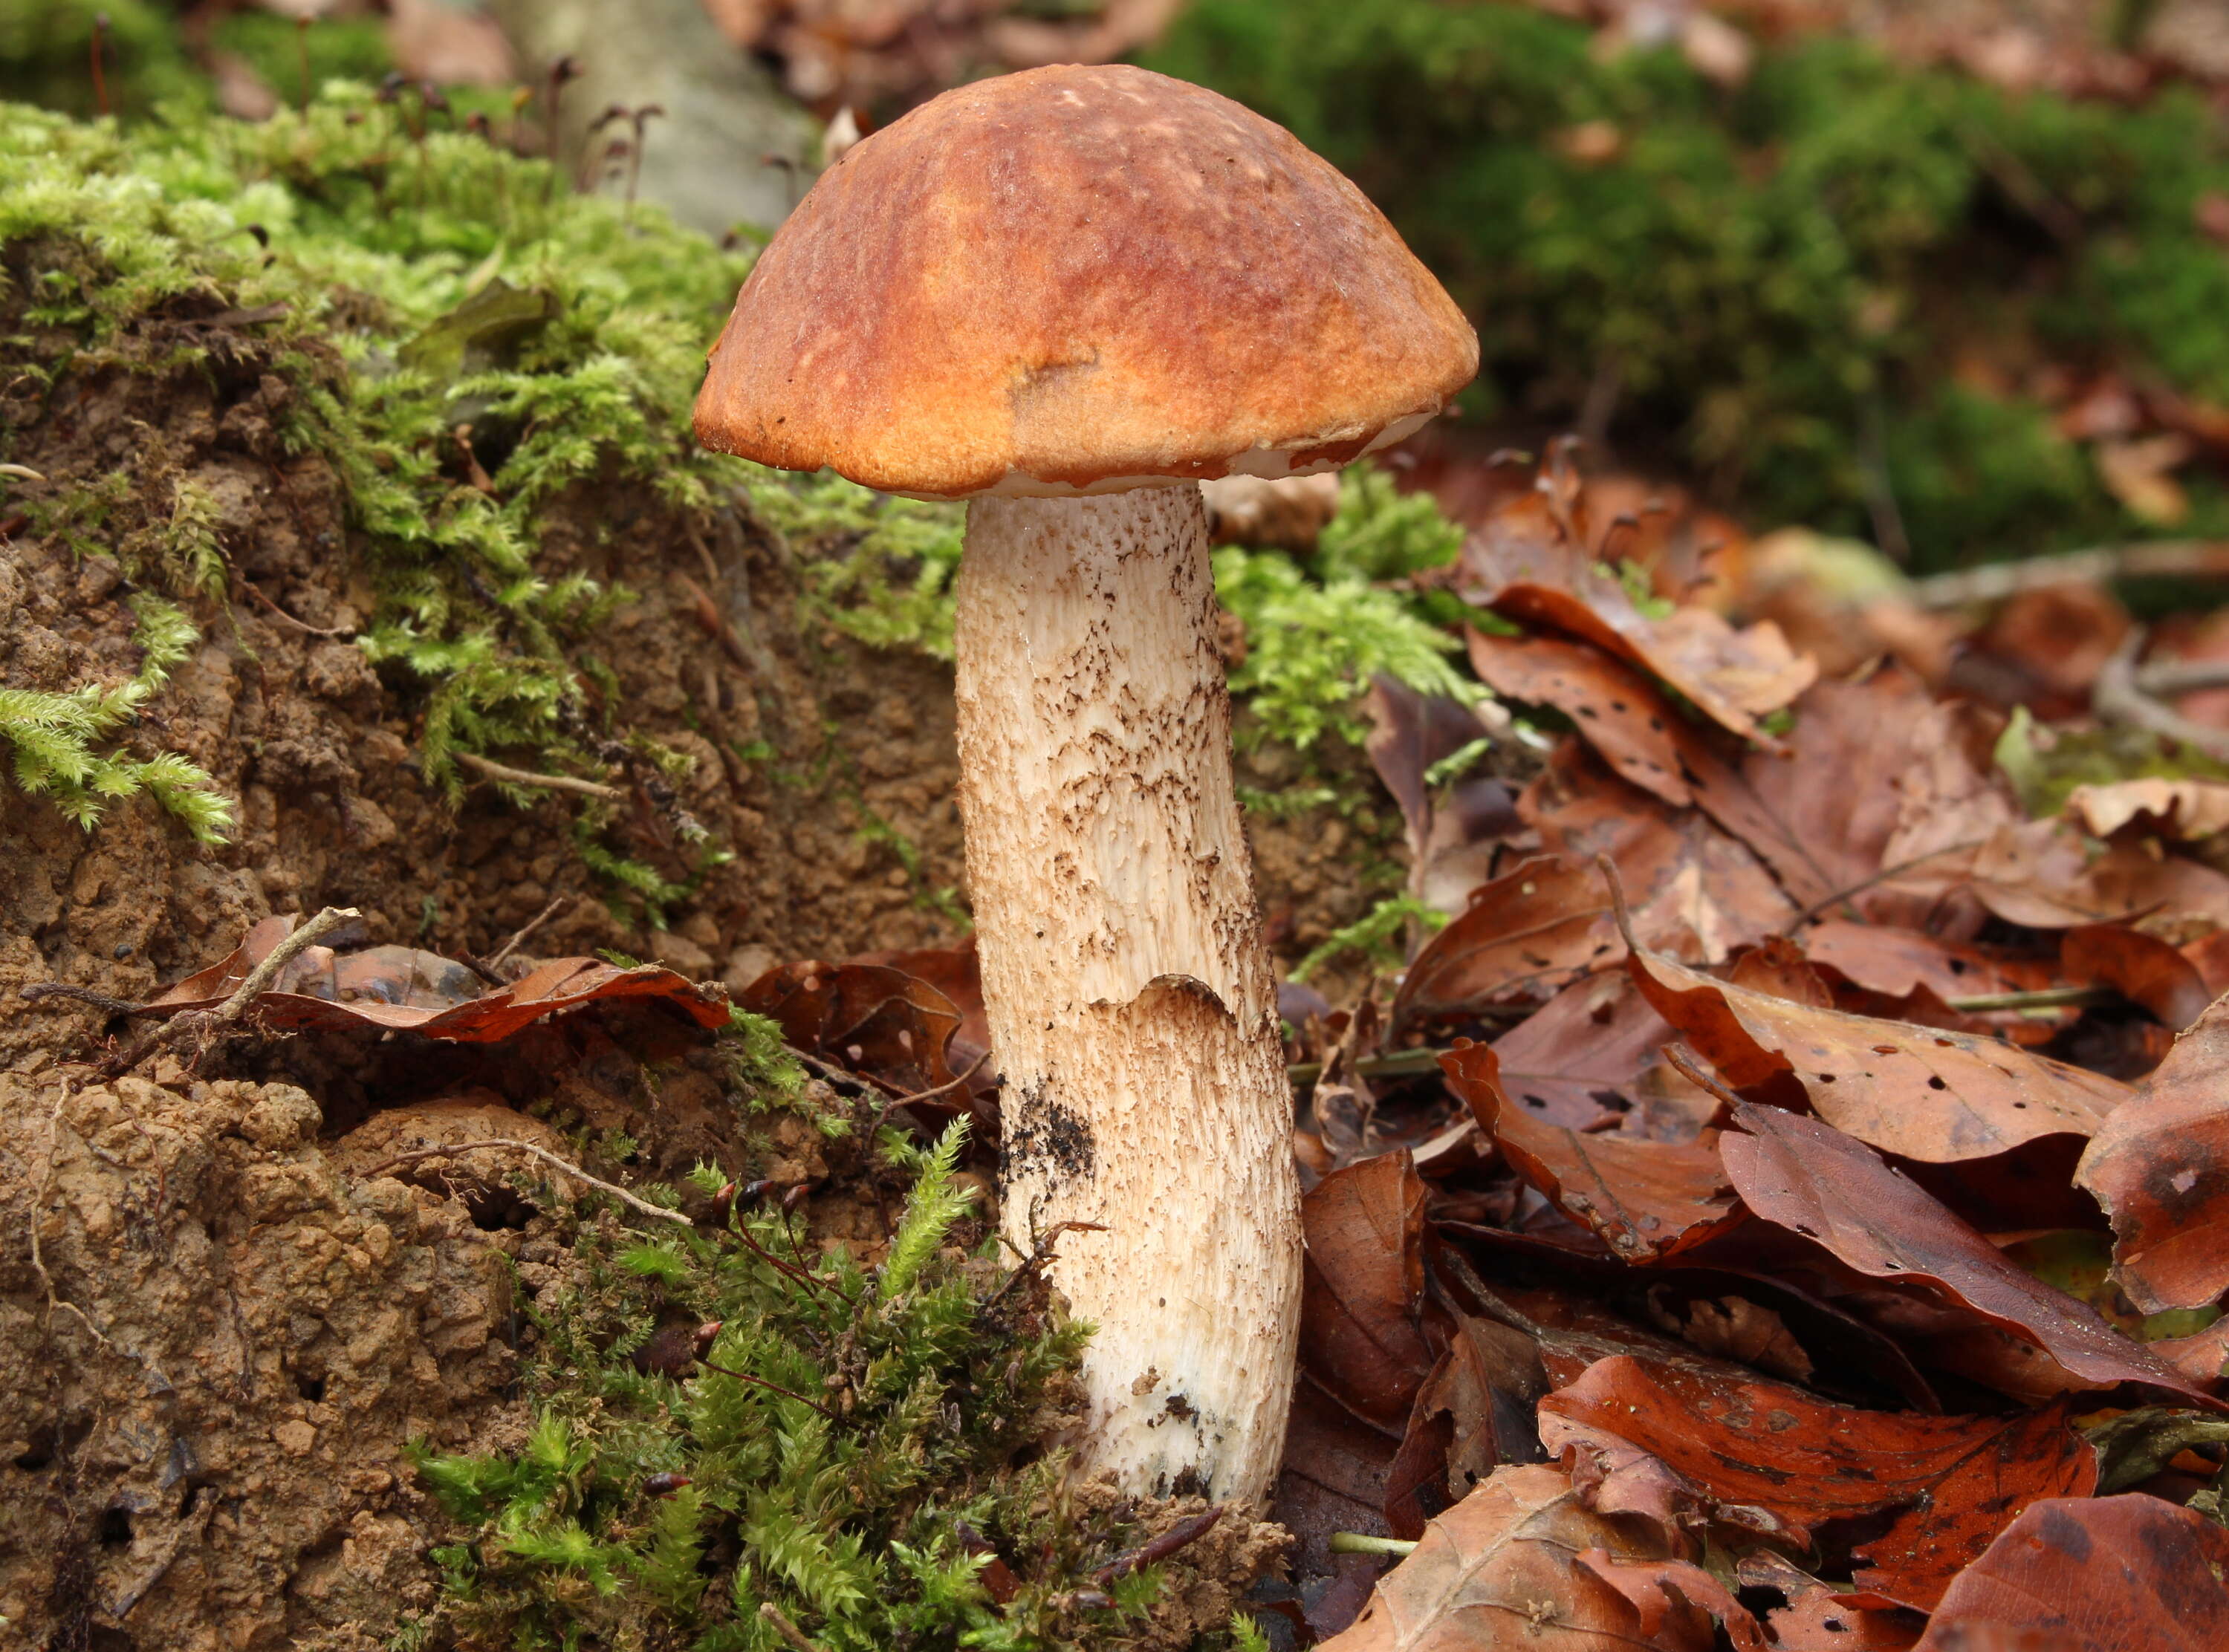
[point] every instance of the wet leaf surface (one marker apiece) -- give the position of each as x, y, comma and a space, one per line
1647, 1199
1362, 1290
1802, 1174
2161, 1169
2111, 1574
1770, 1459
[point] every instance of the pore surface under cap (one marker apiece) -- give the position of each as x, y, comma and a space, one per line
1077, 278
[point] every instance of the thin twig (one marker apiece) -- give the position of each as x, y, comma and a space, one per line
2168, 678
510, 776
1034, 1264
38, 1199
926, 1095
264, 597
1882, 876
2042, 998
1997, 580
783, 1627
557, 903
39, 989
1159, 1548
204, 1023
542, 1153
2117, 699
786, 1393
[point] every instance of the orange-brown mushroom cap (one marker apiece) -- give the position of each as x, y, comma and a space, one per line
1079, 279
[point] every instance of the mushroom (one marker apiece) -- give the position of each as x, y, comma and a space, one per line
1068, 296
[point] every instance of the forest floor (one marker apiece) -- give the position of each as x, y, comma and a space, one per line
1756, 1018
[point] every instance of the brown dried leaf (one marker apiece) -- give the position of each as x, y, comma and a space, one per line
1529, 561
1363, 1286
2185, 809
869, 1017
1648, 1200
1897, 963
1776, 1461
1820, 1619
1813, 1180
403, 990
2141, 968
1917, 1091
2043, 873
1474, 1413
2108, 1574
1522, 936
1590, 1054
1505, 1562
1695, 891
2161, 1169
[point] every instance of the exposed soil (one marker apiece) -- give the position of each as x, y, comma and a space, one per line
219, 1332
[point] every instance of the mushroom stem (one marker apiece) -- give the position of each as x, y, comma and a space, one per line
1126, 979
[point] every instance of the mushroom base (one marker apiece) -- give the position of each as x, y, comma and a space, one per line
1131, 1005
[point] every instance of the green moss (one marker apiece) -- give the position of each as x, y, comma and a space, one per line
1771, 277
853, 1450
367, 235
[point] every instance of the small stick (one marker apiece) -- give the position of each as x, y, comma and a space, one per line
2117, 699
786, 1393
547, 1157
505, 772
1363, 1543
205, 1022
1034, 1264
926, 1095
39, 989
263, 597
1183, 1533
99, 79
1868, 881
783, 1627
2042, 998
557, 903
1997, 580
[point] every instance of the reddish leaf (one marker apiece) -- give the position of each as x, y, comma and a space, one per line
1826, 1620
1506, 1561
1777, 968
1648, 1200
1523, 936
1363, 1286
1617, 711
867, 1016
1474, 1413
1590, 1054
1779, 1461
2044, 873
1531, 561
957, 973
2141, 968
402, 989
1917, 1091
2108, 1574
1671, 1597
1897, 963
2161, 1169
1813, 1180
1694, 890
